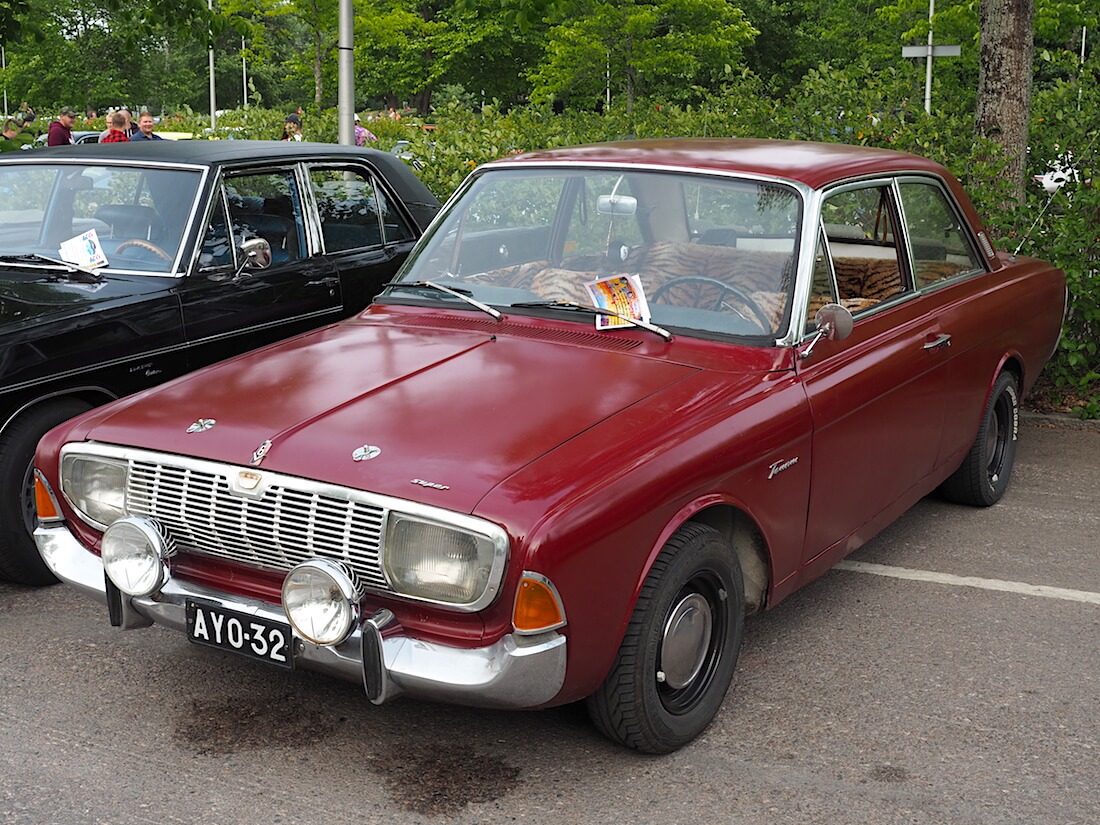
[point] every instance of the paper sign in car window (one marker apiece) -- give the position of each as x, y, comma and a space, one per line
83, 250
622, 294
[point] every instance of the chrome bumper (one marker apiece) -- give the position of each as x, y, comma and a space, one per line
515, 672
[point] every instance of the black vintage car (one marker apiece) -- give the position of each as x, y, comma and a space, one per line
125, 265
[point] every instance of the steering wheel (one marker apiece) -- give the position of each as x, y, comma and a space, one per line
761, 317
143, 244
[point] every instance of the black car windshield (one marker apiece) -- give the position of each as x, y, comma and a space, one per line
120, 217
703, 253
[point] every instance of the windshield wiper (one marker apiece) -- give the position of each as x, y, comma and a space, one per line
69, 267
461, 294
664, 333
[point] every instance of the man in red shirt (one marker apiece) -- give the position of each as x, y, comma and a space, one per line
117, 131
61, 130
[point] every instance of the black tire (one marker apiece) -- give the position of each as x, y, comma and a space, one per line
984, 475
19, 559
654, 701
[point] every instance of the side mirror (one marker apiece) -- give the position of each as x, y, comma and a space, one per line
255, 253
832, 322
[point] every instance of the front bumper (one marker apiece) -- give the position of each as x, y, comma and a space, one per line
515, 672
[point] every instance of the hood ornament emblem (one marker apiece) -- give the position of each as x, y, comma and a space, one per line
366, 453
202, 425
261, 451
248, 480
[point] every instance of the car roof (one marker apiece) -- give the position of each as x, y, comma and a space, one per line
206, 152
814, 164
214, 153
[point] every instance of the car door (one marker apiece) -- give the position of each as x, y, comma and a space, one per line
229, 305
876, 397
362, 230
949, 271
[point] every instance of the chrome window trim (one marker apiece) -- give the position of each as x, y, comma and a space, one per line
494, 533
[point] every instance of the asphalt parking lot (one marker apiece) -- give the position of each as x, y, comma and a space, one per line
948, 672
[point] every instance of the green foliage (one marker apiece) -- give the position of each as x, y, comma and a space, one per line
820, 71
665, 48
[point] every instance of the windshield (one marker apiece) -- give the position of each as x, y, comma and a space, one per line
705, 253
138, 215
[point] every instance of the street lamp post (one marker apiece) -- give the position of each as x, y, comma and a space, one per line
928, 52
210, 56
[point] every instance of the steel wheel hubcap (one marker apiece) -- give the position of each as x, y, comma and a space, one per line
686, 641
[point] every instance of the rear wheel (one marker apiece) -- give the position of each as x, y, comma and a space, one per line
983, 477
19, 559
680, 649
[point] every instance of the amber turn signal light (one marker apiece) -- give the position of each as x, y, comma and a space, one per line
538, 605
44, 502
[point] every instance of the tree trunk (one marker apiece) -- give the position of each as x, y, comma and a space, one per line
1004, 81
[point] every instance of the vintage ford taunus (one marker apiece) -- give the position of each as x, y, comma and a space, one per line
619, 398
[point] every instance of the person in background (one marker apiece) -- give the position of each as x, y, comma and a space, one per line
363, 134
146, 122
10, 138
131, 126
61, 130
129, 129
116, 133
292, 127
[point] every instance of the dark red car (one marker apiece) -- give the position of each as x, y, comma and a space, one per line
621, 397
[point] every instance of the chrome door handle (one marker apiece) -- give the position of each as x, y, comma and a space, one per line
941, 341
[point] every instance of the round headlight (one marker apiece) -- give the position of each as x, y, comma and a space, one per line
321, 601
133, 553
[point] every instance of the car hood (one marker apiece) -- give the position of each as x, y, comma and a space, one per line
28, 297
437, 409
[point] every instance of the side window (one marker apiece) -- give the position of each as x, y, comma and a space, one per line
354, 211
936, 237
824, 290
862, 243
267, 205
217, 248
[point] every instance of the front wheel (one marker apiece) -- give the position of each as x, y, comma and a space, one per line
19, 559
983, 477
680, 649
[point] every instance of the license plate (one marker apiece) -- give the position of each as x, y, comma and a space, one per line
251, 636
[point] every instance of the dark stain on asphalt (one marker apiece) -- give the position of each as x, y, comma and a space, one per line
433, 781
216, 727
889, 773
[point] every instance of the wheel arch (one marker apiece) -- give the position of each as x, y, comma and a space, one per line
747, 540
92, 395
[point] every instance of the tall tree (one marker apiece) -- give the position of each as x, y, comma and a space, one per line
666, 48
1004, 81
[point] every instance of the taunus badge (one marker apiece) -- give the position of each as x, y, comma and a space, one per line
779, 466
261, 451
366, 453
202, 425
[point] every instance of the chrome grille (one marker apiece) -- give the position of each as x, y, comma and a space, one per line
277, 530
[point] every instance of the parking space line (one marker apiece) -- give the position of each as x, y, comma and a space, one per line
970, 581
